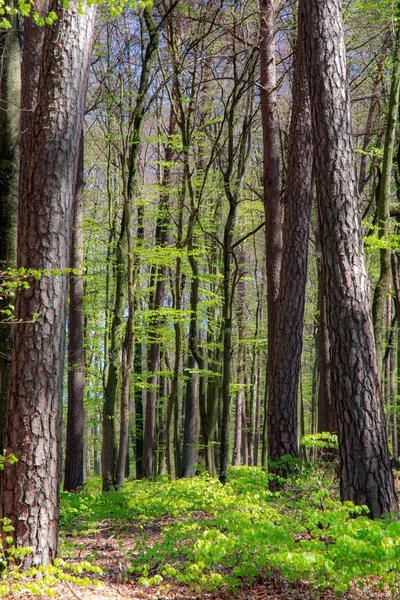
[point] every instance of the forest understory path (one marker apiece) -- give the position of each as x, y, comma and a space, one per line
111, 547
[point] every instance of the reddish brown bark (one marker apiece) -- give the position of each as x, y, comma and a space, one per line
365, 472
73, 478
30, 488
284, 377
271, 171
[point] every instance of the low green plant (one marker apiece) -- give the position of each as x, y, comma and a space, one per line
211, 535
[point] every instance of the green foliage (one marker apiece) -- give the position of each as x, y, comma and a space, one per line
324, 440
213, 535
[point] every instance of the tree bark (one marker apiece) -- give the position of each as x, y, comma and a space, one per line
10, 88
73, 477
288, 340
365, 471
271, 172
30, 488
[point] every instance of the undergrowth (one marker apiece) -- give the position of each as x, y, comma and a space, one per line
213, 535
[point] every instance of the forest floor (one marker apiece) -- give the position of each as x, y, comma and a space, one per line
195, 539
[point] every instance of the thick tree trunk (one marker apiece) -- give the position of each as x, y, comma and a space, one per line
365, 471
73, 478
288, 341
30, 488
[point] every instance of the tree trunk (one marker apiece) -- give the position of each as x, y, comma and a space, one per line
383, 285
30, 488
10, 87
239, 409
73, 478
271, 171
288, 340
326, 410
108, 448
365, 471
189, 433
140, 111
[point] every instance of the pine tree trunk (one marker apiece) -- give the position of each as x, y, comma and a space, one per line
30, 488
271, 171
73, 478
288, 340
365, 471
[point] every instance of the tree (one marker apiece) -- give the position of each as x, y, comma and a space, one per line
365, 472
271, 174
284, 376
73, 477
383, 206
10, 92
30, 488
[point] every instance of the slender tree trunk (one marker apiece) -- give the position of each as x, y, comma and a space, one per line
10, 87
108, 449
73, 478
30, 488
140, 110
396, 391
365, 471
392, 416
138, 368
363, 178
189, 433
173, 397
271, 171
239, 411
227, 339
326, 410
383, 285
257, 418
96, 457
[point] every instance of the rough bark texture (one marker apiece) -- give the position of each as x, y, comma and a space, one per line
10, 86
30, 488
365, 471
73, 478
284, 377
272, 148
